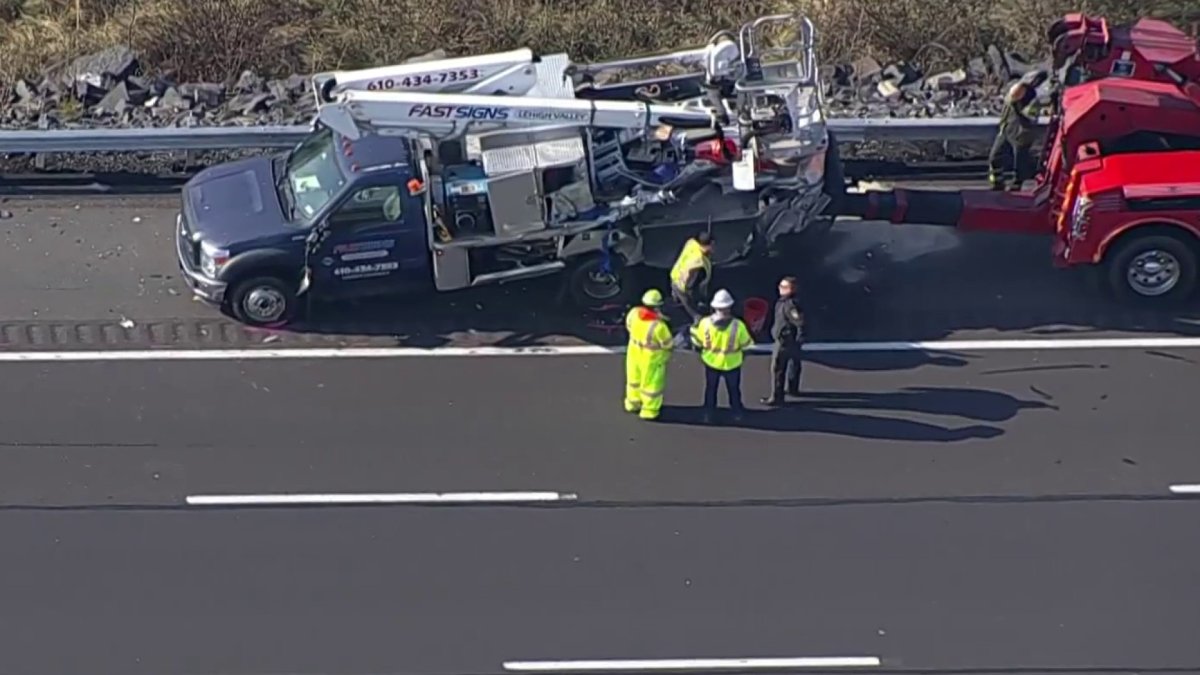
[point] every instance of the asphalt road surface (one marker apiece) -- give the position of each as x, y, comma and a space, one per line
1001, 424
974, 512
962, 587
99, 272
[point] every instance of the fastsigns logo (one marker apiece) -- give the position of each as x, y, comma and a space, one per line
458, 112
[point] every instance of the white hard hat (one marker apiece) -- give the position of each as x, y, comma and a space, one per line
722, 300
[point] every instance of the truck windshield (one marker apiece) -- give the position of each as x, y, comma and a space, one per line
312, 176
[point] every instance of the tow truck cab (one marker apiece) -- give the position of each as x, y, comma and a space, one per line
244, 227
1140, 214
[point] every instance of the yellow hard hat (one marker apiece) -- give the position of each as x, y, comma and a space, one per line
652, 298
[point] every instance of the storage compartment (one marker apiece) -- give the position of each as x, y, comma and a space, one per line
516, 201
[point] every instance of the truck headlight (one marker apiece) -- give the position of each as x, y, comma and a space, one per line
1079, 216
212, 259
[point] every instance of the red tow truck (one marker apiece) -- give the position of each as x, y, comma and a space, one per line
1119, 183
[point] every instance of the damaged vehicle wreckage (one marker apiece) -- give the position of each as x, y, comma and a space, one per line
440, 175
1118, 189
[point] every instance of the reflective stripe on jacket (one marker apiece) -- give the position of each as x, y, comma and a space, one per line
722, 348
690, 259
650, 337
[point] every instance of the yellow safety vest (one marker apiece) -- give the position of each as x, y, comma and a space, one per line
692, 257
651, 338
722, 348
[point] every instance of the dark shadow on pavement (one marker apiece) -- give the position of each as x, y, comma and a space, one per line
879, 361
863, 282
830, 413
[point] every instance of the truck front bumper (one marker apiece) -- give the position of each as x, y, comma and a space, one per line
204, 288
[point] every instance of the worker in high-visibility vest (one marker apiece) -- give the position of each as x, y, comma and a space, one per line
1018, 129
722, 339
691, 274
646, 358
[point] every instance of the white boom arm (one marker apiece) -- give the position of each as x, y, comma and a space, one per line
355, 113
509, 72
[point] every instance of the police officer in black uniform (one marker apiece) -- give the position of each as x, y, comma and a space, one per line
787, 332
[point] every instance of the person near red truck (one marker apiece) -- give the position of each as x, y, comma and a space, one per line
787, 338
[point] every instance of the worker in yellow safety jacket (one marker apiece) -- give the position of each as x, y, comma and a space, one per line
650, 345
691, 273
722, 339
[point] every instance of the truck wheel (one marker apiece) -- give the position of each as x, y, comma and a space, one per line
590, 286
263, 301
1154, 270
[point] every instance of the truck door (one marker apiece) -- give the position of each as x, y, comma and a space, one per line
376, 244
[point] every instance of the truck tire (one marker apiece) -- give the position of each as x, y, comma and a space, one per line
1153, 270
264, 301
590, 287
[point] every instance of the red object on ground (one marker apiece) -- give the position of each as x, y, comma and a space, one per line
754, 311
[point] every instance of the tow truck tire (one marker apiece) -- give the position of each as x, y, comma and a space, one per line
265, 301
1153, 270
588, 292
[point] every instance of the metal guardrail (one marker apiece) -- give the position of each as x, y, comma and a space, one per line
227, 138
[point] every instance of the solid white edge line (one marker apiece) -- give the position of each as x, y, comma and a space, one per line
1186, 489
578, 350
380, 498
694, 664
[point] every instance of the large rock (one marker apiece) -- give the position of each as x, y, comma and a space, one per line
102, 69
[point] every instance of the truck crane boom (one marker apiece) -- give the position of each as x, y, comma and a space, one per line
355, 113
512, 72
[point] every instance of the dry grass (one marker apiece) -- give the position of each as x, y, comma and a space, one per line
217, 39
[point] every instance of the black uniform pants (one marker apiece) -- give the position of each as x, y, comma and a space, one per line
1010, 159
733, 388
787, 364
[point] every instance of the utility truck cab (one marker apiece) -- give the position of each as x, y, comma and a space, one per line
247, 229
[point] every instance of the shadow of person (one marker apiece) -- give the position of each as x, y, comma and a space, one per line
975, 404
882, 361
831, 413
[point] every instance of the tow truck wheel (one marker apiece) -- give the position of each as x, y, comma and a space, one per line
1156, 269
263, 301
591, 286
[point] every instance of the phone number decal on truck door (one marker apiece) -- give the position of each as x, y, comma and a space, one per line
411, 81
